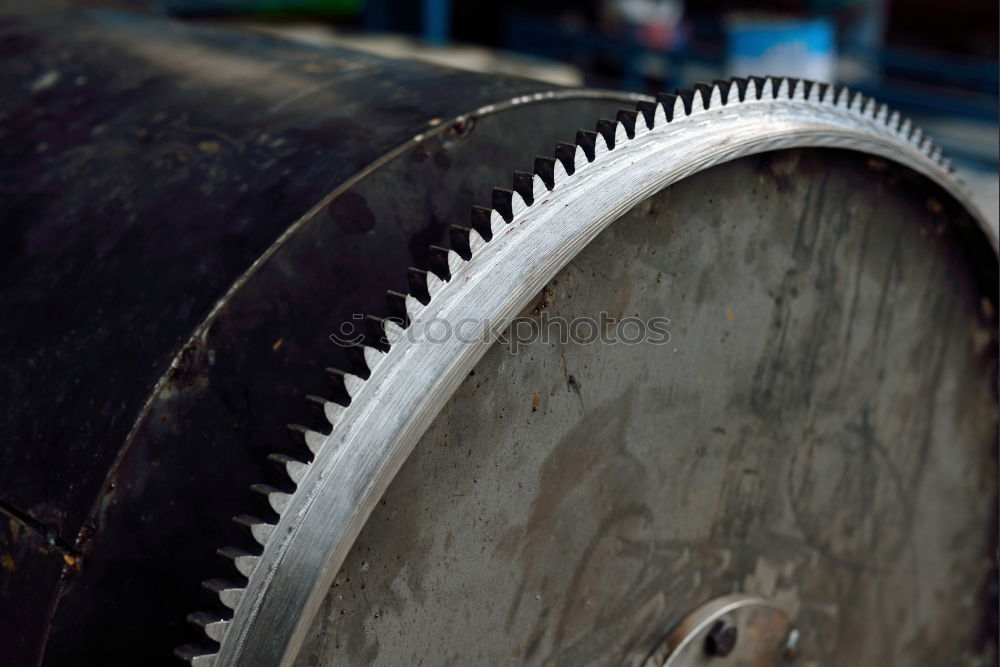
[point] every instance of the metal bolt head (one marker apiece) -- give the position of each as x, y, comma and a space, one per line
721, 639
792, 643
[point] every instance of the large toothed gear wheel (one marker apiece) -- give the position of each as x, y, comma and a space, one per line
806, 432
714, 385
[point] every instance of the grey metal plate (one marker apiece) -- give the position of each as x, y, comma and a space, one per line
819, 431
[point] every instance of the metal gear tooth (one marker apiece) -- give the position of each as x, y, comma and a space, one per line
559, 174
566, 154
627, 120
434, 284
538, 190
413, 306
775, 88
276, 498
393, 331
243, 561
741, 88
480, 221
517, 204
375, 337
461, 241
755, 86
297, 439
800, 90
668, 103
356, 358
648, 111
842, 97
660, 115
476, 241
229, 592
439, 264
704, 91
906, 129
197, 656
259, 529
768, 89
350, 383
679, 111
724, 87
686, 96
621, 136
334, 411
317, 406
396, 302
417, 281
312, 439
783, 89
824, 91
832, 96
524, 185
601, 146
882, 113
455, 261
794, 86
355, 364
545, 169
698, 103
869, 108
857, 103
812, 90
587, 140
373, 356
715, 98
607, 129
503, 203
213, 625
295, 470
706, 96
893, 121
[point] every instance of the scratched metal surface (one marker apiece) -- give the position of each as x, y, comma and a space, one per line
820, 430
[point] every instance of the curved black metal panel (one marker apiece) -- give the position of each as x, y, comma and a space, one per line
146, 166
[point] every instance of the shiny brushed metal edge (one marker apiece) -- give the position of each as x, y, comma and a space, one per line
408, 385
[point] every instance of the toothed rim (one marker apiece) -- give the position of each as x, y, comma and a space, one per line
552, 214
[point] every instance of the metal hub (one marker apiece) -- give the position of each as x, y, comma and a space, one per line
729, 631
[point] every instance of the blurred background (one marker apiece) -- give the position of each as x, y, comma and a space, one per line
935, 62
